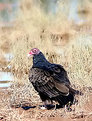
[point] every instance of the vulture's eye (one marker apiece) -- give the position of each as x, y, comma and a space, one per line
34, 51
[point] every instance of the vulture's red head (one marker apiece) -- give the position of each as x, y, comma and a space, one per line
34, 51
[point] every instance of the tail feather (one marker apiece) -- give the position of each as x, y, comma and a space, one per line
73, 91
63, 100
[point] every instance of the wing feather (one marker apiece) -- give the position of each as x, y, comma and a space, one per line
44, 82
62, 87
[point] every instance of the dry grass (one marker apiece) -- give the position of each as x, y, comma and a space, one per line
19, 95
61, 41
36, 30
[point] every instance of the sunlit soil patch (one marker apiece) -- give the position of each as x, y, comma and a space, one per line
16, 96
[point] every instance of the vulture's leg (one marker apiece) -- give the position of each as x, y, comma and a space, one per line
67, 107
44, 106
47, 106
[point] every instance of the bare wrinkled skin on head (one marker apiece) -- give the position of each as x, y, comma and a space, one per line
34, 51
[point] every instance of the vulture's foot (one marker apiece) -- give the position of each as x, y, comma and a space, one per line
67, 107
48, 106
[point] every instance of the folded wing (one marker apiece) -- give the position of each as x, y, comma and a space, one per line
47, 83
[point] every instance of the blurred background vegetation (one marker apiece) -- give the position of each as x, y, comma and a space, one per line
62, 29
76, 10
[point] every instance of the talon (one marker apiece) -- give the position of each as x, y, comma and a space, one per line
67, 107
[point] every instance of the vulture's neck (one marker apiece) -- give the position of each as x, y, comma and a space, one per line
39, 61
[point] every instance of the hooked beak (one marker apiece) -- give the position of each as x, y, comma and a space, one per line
29, 55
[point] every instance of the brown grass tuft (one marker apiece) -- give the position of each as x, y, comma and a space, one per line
61, 41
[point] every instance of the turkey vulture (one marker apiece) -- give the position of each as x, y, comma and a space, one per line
50, 80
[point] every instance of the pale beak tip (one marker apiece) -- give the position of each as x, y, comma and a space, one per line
28, 55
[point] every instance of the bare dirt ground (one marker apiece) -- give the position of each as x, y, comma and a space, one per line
80, 112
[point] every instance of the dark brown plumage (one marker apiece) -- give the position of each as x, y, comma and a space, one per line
50, 80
